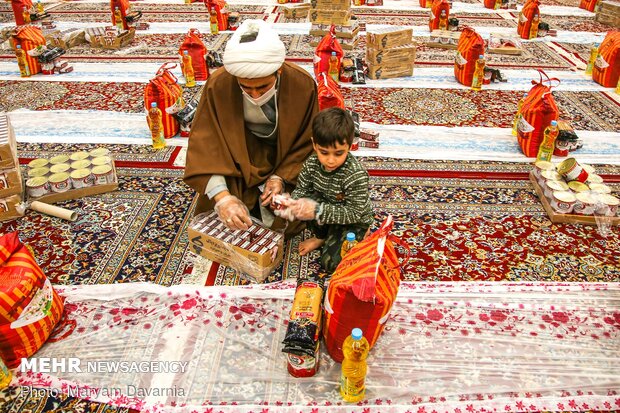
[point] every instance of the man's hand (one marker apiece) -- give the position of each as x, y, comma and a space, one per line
273, 186
233, 213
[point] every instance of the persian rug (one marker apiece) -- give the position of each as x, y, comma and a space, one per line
137, 233
471, 229
446, 347
44, 400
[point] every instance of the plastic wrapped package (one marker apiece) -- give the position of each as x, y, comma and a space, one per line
256, 252
469, 346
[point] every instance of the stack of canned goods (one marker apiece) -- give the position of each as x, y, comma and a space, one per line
575, 188
65, 172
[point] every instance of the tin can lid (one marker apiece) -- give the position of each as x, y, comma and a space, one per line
37, 163
564, 196
81, 164
59, 177
102, 169
36, 181
594, 179
59, 159
44, 170
102, 160
578, 186
585, 197
552, 175
59, 167
557, 185
566, 165
609, 199
80, 173
78, 156
545, 165
97, 152
600, 188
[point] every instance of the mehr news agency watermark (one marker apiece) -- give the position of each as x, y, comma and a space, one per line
52, 365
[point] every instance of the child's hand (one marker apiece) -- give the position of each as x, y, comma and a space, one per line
280, 205
303, 209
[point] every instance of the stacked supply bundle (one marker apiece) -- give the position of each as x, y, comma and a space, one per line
390, 52
609, 13
29, 306
28, 38
325, 13
10, 177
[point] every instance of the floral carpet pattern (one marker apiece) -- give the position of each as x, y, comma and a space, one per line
137, 233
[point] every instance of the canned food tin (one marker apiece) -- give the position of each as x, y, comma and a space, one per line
42, 171
572, 171
600, 188
585, 204
578, 186
612, 203
303, 366
554, 186
81, 178
59, 159
78, 156
37, 186
59, 167
594, 179
38, 163
81, 164
551, 175
540, 166
60, 182
103, 174
98, 152
102, 160
563, 202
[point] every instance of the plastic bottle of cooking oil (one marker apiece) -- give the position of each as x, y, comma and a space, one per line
354, 367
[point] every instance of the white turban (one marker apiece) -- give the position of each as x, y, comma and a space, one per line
255, 58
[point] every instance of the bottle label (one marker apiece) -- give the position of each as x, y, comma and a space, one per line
524, 126
351, 387
600, 62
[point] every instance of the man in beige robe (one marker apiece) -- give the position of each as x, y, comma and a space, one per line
251, 132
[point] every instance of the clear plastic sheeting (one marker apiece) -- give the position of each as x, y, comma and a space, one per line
446, 346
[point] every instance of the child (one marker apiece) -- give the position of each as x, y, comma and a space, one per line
332, 189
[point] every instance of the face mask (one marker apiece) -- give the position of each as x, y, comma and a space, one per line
261, 100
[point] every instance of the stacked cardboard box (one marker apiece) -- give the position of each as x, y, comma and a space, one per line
390, 52
11, 187
324, 13
609, 13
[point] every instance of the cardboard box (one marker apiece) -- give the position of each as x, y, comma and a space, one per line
10, 182
363, 143
388, 37
8, 146
331, 4
247, 251
611, 20
9, 208
109, 39
66, 38
393, 55
610, 7
294, 11
346, 44
344, 31
329, 16
390, 70
444, 39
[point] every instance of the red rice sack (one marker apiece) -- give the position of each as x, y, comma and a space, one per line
29, 37
469, 48
123, 7
490, 4
588, 5
18, 10
329, 92
530, 9
29, 306
323, 52
606, 70
198, 51
362, 290
537, 112
438, 6
164, 90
